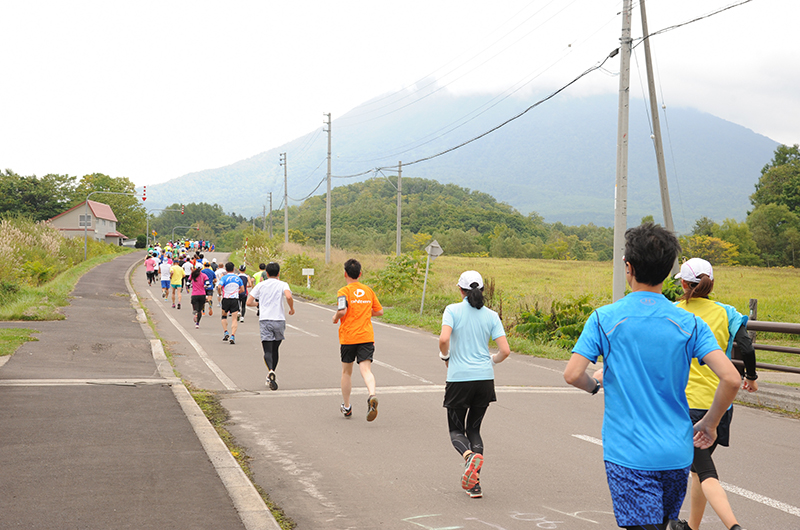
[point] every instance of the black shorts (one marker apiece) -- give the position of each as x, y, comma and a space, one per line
230, 305
359, 352
151, 275
723, 429
469, 394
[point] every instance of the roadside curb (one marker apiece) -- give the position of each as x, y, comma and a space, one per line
772, 396
252, 510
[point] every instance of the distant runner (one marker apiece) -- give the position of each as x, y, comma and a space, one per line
229, 288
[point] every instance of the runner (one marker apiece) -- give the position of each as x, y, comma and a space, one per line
177, 275
647, 346
150, 268
269, 296
219, 273
247, 281
261, 274
166, 274
357, 304
467, 328
229, 288
212, 281
198, 282
188, 267
727, 324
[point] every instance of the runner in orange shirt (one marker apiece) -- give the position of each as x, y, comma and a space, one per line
357, 304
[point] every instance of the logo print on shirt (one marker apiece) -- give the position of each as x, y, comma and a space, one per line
648, 301
359, 293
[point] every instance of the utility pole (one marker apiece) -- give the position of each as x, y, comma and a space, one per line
328, 200
264, 216
666, 209
285, 200
399, 201
621, 188
270, 215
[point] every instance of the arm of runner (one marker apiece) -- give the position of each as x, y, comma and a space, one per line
251, 301
575, 374
705, 430
289, 300
505, 350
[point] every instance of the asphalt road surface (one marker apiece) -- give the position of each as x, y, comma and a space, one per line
543, 459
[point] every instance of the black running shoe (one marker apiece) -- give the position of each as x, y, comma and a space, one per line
475, 491
273, 385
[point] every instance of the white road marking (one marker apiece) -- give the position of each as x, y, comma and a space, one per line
224, 379
76, 382
417, 389
301, 330
399, 371
772, 503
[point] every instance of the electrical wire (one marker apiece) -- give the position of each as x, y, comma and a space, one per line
676, 26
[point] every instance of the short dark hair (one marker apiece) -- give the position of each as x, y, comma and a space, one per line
651, 250
262, 266
352, 268
229, 266
273, 269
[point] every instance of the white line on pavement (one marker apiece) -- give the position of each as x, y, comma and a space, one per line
416, 389
224, 379
374, 321
399, 371
772, 503
301, 330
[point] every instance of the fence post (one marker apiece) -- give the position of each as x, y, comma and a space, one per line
753, 316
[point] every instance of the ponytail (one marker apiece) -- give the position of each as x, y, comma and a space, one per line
474, 295
195, 273
700, 289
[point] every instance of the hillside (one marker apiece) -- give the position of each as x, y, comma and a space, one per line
558, 160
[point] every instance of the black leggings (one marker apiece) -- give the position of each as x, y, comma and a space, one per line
198, 304
465, 428
271, 353
243, 305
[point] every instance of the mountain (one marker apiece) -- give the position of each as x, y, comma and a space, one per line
558, 159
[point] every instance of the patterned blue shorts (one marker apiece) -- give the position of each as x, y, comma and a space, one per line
646, 497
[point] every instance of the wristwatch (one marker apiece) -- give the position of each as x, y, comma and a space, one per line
596, 386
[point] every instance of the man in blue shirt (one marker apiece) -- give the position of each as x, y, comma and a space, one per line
647, 346
230, 286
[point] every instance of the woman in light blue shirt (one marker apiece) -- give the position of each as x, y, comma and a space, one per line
467, 328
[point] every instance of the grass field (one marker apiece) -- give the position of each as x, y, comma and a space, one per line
13, 338
521, 284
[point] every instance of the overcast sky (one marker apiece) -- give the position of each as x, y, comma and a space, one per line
152, 90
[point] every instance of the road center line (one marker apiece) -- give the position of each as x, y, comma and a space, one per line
772, 503
416, 389
301, 330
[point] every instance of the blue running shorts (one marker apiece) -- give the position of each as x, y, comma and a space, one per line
645, 497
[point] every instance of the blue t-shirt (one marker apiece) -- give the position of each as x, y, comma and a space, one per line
647, 346
209, 283
230, 285
469, 343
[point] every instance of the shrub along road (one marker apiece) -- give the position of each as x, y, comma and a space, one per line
543, 466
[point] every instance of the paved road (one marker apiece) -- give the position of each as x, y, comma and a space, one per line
543, 459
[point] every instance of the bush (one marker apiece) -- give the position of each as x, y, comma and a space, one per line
292, 269
561, 326
141, 242
401, 274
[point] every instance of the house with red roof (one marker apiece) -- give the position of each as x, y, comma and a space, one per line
93, 218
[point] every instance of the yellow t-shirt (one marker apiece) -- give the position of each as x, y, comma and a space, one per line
356, 326
176, 273
703, 382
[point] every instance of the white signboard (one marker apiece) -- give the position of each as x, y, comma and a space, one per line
308, 272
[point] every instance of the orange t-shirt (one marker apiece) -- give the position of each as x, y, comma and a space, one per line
356, 325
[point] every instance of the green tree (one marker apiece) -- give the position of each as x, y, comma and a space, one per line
780, 180
128, 209
769, 224
37, 198
704, 227
739, 234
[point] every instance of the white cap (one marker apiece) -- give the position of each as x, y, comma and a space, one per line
468, 278
214, 260
693, 268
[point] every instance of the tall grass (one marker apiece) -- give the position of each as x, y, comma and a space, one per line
43, 268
